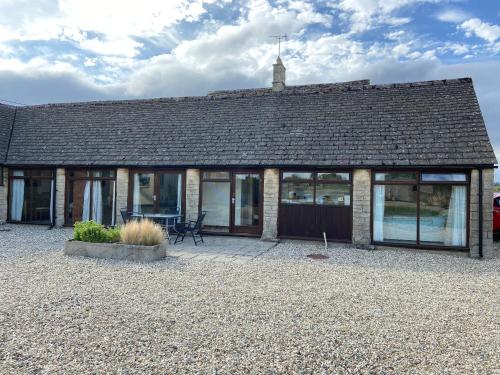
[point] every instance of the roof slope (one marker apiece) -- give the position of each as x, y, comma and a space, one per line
433, 123
6, 119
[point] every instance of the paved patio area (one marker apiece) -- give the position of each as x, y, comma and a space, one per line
221, 249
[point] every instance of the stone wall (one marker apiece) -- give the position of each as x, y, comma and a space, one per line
60, 196
361, 207
487, 202
192, 193
121, 192
3, 195
271, 203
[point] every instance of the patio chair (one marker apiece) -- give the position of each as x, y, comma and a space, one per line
190, 226
126, 215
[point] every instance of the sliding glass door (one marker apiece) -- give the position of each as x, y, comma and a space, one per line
31, 196
156, 192
91, 196
232, 201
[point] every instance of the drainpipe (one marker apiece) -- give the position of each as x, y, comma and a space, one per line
480, 213
54, 195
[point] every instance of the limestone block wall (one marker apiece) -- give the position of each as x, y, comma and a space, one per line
361, 206
192, 193
3, 195
60, 195
121, 192
271, 204
487, 202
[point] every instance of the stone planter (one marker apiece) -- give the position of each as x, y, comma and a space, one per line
136, 253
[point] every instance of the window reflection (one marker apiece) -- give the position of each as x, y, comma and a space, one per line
395, 213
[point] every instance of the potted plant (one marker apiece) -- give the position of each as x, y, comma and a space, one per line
137, 241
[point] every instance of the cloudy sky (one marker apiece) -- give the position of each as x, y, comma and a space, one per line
73, 50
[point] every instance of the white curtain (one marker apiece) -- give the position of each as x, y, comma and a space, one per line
86, 202
456, 223
378, 214
136, 204
51, 208
97, 202
179, 193
113, 212
17, 201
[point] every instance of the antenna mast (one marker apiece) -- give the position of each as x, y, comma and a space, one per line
279, 38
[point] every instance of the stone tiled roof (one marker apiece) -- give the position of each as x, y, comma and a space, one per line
6, 119
434, 123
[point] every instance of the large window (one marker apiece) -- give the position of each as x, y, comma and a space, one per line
91, 196
31, 194
311, 188
157, 192
420, 208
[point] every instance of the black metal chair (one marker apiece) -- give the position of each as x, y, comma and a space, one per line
127, 215
190, 226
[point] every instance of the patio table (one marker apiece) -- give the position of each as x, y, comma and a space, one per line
166, 218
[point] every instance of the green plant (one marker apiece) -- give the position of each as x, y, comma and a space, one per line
143, 232
90, 231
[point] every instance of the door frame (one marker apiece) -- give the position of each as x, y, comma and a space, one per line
156, 186
232, 228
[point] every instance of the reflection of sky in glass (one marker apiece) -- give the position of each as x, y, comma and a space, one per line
443, 177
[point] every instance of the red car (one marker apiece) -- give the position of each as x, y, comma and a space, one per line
496, 213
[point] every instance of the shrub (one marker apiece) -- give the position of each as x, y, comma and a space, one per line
143, 232
90, 231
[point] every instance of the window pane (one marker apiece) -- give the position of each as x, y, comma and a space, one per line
218, 175
396, 176
333, 176
78, 173
103, 193
496, 202
18, 173
41, 173
443, 215
31, 200
395, 213
297, 193
444, 177
41, 194
297, 176
104, 173
170, 193
215, 201
246, 208
333, 194
143, 193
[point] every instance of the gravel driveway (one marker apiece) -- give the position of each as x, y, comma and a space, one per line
356, 312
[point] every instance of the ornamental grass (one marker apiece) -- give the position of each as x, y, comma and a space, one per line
143, 232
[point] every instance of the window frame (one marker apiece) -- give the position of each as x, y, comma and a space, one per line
28, 175
418, 182
314, 181
155, 172
90, 177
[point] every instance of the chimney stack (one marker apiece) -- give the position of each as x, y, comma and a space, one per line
278, 75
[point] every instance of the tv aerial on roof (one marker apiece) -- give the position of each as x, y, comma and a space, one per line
279, 38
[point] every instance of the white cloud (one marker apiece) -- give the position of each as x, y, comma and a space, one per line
481, 29
102, 27
364, 14
453, 15
456, 48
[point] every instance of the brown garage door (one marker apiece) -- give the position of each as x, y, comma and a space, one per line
315, 202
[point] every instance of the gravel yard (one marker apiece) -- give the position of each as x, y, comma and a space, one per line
391, 311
